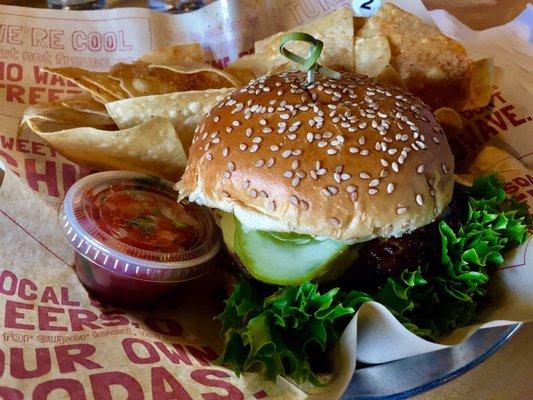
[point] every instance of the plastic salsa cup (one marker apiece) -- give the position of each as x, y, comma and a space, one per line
132, 240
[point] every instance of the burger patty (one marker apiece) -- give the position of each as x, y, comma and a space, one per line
380, 259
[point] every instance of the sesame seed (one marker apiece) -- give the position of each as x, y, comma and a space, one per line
444, 168
373, 182
314, 175
243, 146
262, 121
383, 173
362, 140
231, 166
322, 144
385, 163
420, 169
216, 118
364, 175
235, 123
288, 174
295, 181
216, 140
353, 150
345, 176
248, 132
332, 189
227, 174
395, 166
337, 177
294, 200
390, 187
309, 137
225, 152
267, 130
419, 199
270, 162
331, 151
392, 151
274, 147
401, 159
372, 191
436, 139
334, 221
272, 206
209, 156
284, 116
354, 196
365, 152
259, 163
292, 136
286, 153
294, 164
401, 210
246, 184
254, 148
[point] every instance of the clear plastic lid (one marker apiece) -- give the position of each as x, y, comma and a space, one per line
131, 224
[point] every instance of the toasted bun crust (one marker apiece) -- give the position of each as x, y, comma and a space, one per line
351, 160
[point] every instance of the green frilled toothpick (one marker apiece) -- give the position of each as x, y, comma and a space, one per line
309, 64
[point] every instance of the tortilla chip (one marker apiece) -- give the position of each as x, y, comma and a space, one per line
217, 76
175, 54
140, 79
390, 75
492, 160
432, 66
248, 67
336, 30
372, 55
184, 109
464, 179
447, 116
85, 103
481, 84
98, 84
153, 148
54, 116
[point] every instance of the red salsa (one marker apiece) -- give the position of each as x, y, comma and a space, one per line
132, 239
143, 219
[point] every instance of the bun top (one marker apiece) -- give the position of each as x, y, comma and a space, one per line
349, 159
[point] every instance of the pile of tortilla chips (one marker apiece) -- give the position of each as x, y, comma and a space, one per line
142, 116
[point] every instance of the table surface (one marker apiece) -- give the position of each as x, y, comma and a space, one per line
507, 375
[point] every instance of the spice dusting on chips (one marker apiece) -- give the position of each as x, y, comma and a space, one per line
433, 66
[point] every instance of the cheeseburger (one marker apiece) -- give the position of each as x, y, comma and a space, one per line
323, 180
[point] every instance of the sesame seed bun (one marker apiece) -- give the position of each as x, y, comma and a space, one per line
351, 159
